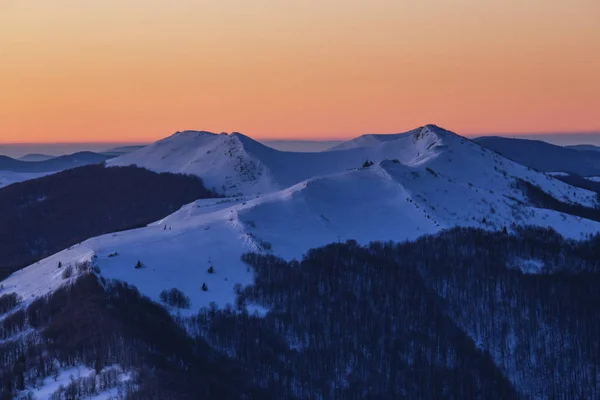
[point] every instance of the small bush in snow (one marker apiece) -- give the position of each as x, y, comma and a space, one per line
265, 245
204, 287
59, 264
211, 270
175, 298
67, 272
432, 172
367, 164
238, 289
139, 265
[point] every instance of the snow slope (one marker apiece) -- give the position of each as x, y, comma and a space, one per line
222, 161
9, 177
371, 140
435, 180
48, 386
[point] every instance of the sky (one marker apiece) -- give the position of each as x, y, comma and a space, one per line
139, 70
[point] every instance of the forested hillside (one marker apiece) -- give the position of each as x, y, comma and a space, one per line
466, 314
110, 328
42, 216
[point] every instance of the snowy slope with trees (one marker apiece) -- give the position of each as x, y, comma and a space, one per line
430, 179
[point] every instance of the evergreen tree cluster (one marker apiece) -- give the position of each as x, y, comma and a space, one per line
175, 298
367, 164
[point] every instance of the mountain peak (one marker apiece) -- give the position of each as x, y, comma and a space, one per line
192, 134
434, 127
438, 130
425, 136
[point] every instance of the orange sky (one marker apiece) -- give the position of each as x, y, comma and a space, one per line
138, 70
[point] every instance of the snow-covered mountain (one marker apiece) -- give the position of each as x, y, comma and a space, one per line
235, 164
422, 181
226, 163
285, 203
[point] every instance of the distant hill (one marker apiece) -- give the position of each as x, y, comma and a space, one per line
121, 150
36, 157
10, 177
53, 164
545, 157
584, 147
44, 215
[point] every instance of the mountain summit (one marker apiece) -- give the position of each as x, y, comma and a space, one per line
234, 164
225, 162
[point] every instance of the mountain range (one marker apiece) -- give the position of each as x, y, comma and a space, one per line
584, 147
52, 164
421, 182
34, 157
34, 165
279, 205
581, 160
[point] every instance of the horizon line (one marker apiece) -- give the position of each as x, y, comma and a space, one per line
300, 139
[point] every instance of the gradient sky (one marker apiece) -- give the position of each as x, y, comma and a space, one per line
138, 70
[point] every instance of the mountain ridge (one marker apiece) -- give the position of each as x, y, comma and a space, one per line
411, 188
444, 181
255, 168
54, 164
543, 156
